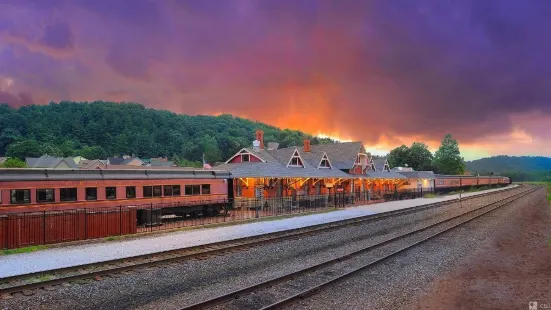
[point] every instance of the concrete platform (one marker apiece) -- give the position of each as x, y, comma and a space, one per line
59, 257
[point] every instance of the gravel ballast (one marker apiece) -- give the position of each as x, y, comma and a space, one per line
405, 281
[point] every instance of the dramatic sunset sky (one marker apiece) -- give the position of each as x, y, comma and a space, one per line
385, 72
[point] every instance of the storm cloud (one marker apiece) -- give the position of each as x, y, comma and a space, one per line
384, 72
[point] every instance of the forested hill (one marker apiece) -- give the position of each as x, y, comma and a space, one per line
499, 164
101, 129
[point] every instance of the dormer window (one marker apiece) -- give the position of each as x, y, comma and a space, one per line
295, 161
324, 163
245, 158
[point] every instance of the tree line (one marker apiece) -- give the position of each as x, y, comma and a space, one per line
446, 160
99, 129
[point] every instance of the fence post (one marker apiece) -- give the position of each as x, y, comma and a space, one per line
44, 227
120, 218
85, 224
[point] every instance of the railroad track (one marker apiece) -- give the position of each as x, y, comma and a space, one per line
27, 283
294, 279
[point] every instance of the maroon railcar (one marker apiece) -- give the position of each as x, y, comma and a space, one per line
27, 190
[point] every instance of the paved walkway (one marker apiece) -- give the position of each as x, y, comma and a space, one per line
60, 257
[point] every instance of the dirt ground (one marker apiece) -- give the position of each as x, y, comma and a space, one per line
509, 271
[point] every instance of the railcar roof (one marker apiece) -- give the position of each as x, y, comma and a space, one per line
37, 174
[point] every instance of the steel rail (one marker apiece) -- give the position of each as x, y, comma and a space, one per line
169, 256
252, 288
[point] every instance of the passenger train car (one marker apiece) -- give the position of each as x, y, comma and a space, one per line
24, 190
456, 181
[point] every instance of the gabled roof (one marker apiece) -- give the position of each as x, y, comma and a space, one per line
275, 166
342, 155
258, 154
380, 164
91, 164
47, 161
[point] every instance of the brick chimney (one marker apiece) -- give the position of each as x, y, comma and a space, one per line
306, 145
260, 138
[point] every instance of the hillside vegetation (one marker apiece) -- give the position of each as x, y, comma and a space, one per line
101, 129
520, 168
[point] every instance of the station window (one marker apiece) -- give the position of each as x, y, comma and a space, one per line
176, 190
131, 192
45, 195
205, 189
157, 191
91, 193
193, 189
20, 196
68, 194
167, 189
148, 191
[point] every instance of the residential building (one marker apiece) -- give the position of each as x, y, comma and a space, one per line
47, 161
125, 161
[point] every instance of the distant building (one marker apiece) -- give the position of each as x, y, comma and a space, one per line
161, 162
78, 159
125, 161
47, 161
92, 164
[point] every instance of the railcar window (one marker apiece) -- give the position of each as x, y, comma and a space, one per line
196, 189
91, 193
157, 191
45, 195
167, 190
131, 192
20, 196
205, 189
193, 189
176, 190
68, 194
148, 191
111, 192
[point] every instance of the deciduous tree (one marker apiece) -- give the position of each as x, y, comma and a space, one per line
447, 159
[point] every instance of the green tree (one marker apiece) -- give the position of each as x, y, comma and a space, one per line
420, 157
13, 163
24, 149
399, 157
447, 159
93, 152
